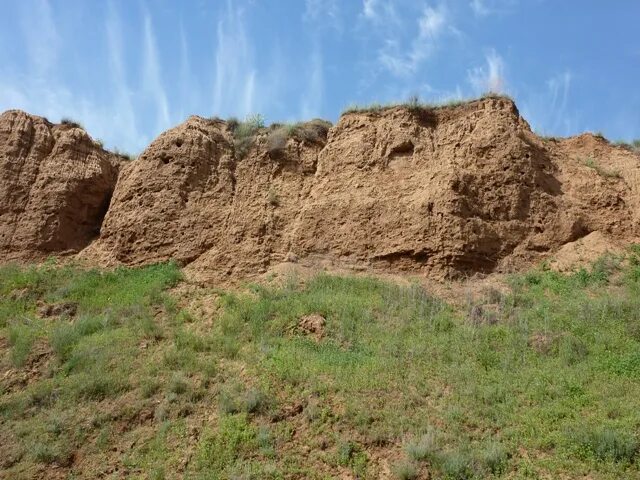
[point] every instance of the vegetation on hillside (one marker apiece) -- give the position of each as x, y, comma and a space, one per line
134, 373
416, 105
277, 134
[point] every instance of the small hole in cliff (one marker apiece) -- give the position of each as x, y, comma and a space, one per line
179, 142
403, 149
164, 158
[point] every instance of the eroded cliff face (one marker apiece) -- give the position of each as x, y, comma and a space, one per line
55, 186
191, 197
441, 192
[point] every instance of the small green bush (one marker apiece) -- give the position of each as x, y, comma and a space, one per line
607, 444
457, 465
237, 399
426, 448
59, 453
405, 470
220, 451
494, 458
21, 338
245, 132
178, 384
591, 163
70, 123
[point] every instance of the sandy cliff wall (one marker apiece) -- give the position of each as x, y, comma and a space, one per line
442, 192
55, 186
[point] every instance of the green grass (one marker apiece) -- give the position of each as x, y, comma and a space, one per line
244, 132
634, 145
415, 104
603, 172
401, 380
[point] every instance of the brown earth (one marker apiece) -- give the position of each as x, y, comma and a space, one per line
442, 192
55, 186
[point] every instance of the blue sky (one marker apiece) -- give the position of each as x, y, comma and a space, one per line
129, 69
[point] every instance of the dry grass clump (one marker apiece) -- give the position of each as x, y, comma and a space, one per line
314, 132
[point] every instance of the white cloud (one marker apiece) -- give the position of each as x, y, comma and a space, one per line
483, 8
317, 9
479, 8
41, 36
124, 115
235, 73
558, 87
312, 100
380, 12
489, 78
152, 76
432, 23
369, 9
37, 90
547, 108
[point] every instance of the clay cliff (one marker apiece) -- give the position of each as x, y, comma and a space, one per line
55, 186
443, 192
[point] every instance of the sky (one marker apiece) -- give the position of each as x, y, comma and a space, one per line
130, 69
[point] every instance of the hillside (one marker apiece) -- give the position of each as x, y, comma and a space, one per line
135, 373
416, 292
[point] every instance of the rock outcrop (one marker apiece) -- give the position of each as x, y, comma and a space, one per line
443, 192
55, 186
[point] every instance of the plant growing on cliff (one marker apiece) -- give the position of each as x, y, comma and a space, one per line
70, 123
313, 131
245, 132
591, 163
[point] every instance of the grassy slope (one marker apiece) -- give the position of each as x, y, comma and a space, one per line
541, 382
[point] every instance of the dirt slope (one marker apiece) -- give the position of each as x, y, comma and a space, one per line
55, 186
443, 192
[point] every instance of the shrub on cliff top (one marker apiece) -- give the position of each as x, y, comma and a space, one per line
244, 132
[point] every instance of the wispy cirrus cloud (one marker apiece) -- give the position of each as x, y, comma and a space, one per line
380, 12
41, 36
38, 88
483, 8
152, 76
313, 95
547, 108
490, 77
402, 59
325, 13
124, 114
235, 73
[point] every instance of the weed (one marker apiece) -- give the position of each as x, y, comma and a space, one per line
178, 384
236, 399
405, 470
70, 123
21, 338
265, 442
606, 444
97, 386
124, 155
220, 451
426, 448
245, 132
59, 453
414, 105
591, 163
494, 458
457, 465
